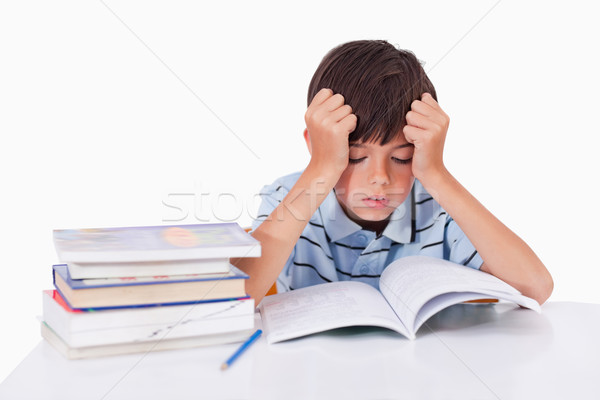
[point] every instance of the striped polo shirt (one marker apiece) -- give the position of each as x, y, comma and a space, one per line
332, 247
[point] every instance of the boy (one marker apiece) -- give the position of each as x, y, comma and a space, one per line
376, 187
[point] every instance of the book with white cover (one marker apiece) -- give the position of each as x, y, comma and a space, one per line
412, 289
78, 328
148, 268
139, 347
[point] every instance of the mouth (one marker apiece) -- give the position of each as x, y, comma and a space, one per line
376, 201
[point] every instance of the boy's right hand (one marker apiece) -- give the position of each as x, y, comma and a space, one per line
329, 122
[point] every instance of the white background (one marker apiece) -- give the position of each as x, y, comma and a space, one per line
110, 110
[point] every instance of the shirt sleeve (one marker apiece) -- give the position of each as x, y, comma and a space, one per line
459, 248
271, 196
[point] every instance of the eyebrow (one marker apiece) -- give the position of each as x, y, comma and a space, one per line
360, 145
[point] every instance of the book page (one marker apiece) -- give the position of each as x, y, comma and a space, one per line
410, 283
327, 306
442, 301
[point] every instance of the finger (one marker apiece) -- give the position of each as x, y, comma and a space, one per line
334, 102
341, 113
419, 120
348, 123
429, 100
412, 133
321, 96
435, 114
422, 108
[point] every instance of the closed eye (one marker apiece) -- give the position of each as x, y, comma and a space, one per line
356, 160
402, 161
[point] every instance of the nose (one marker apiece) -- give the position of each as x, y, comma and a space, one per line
378, 173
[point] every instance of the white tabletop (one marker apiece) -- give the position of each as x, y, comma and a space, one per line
465, 352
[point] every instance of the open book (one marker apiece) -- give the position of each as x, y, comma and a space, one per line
412, 289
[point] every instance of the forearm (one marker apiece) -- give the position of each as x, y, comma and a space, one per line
280, 231
328, 123
505, 255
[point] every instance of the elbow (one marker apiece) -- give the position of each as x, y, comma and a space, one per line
543, 288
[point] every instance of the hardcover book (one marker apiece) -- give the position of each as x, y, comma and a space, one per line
154, 243
139, 347
92, 327
148, 268
131, 291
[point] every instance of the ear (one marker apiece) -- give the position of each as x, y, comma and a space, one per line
307, 140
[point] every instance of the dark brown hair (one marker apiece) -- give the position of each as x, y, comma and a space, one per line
378, 81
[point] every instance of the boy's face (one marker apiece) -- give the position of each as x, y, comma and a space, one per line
377, 180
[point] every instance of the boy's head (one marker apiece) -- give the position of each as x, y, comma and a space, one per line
379, 82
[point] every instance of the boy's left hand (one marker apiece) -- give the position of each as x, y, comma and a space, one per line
426, 127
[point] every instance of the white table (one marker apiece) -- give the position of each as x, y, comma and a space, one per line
465, 352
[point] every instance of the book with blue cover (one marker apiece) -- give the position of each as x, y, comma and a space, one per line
154, 290
154, 243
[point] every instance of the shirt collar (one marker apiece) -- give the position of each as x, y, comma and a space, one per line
400, 228
336, 222
338, 225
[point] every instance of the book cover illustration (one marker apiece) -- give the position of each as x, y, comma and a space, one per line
152, 243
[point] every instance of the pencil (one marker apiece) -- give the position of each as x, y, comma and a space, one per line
242, 348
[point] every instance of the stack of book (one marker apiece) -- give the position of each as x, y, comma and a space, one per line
139, 289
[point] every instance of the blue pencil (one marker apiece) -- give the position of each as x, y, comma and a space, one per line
242, 348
